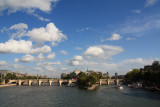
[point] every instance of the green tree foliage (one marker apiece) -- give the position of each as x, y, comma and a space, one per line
148, 77
82, 79
0, 81
91, 79
87, 81
6, 80
134, 76
11, 76
68, 76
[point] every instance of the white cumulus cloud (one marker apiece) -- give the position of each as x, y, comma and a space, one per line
115, 37
30, 58
18, 66
94, 51
26, 58
63, 52
22, 46
102, 51
75, 63
78, 58
49, 34
29, 5
51, 56
2, 63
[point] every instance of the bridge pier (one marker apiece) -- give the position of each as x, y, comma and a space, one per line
39, 83
19, 82
29, 82
108, 81
117, 81
50, 82
60, 82
69, 82
100, 83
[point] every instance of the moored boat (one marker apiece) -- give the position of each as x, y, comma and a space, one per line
120, 87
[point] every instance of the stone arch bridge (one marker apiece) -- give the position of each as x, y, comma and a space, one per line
109, 81
40, 81
60, 81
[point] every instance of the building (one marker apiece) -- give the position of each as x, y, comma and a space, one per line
4, 72
63, 75
154, 67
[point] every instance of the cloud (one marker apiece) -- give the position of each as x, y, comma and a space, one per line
78, 58
2, 63
150, 2
78, 48
40, 57
30, 58
19, 26
26, 58
63, 69
75, 63
63, 52
26, 5
94, 51
140, 26
40, 17
84, 29
137, 61
16, 30
102, 52
48, 64
18, 66
114, 37
138, 11
97, 53
49, 34
129, 38
121, 67
22, 46
51, 56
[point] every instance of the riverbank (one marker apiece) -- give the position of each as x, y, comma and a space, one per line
7, 85
151, 88
93, 87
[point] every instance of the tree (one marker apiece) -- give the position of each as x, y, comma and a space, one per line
91, 79
6, 80
81, 80
11, 76
87, 81
0, 81
134, 76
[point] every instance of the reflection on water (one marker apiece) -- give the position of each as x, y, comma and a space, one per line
61, 96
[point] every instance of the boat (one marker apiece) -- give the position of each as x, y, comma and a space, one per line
71, 85
120, 87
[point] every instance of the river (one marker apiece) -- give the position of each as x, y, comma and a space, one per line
61, 96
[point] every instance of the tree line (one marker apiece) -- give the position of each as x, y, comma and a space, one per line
147, 78
11, 76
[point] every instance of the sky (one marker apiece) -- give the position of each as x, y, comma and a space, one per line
50, 37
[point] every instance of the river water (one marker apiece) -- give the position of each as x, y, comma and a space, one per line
62, 96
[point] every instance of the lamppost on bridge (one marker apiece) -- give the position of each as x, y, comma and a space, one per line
116, 75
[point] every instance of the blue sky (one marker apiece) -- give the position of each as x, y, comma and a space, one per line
49, 37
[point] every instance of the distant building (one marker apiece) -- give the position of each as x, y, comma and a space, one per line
5, 72
118, 77
76, 72
63, 75
154, 67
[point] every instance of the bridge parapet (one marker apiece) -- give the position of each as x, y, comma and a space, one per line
40, 81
